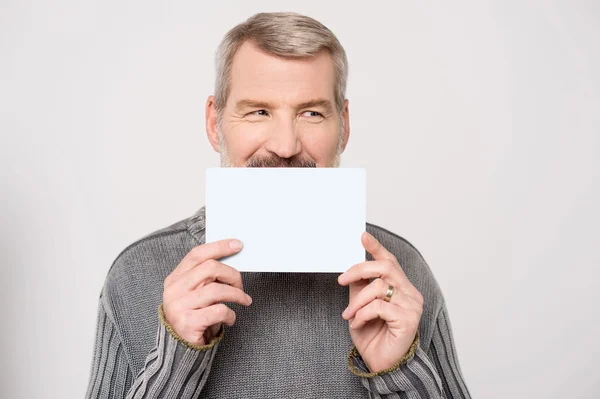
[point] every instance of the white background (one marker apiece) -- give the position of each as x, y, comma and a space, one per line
478, 123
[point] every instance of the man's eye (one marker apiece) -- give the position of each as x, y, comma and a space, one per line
260, 112
311, 113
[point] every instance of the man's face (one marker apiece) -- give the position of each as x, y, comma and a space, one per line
279, 113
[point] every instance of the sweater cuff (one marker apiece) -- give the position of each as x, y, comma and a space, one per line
169, 328
359, 368
414, 373
173, 366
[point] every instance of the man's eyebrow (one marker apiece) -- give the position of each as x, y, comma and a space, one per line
318, 102
246, 103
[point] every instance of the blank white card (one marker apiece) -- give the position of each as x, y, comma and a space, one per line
288, 219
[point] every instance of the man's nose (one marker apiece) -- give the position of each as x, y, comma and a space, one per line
283, 140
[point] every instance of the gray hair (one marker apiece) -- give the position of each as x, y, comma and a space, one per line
282, 34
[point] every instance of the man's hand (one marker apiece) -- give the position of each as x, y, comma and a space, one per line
381, 331
193, 292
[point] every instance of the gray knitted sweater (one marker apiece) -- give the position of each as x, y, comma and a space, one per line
292, 342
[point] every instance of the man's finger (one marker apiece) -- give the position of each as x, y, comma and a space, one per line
212, 250
374, 310
207, 272
213, 293
219, 313
375, 248
386, 269
377, 290
356, 288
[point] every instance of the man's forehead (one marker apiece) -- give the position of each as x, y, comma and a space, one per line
260, 76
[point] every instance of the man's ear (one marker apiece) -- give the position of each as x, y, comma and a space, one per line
211, 123
346, 117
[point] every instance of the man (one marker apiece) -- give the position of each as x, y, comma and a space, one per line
379, 330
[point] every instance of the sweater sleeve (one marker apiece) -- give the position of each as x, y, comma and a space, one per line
172, 369
432, 375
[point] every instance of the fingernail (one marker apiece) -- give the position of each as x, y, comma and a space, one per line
369, 236
249, 300
344, 313
352, 325
235, 244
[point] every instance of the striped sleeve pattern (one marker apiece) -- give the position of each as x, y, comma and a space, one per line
442, 352
432, 375
171, 370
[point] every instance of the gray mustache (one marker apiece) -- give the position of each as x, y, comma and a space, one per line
278, 162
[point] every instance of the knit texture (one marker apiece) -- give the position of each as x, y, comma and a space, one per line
290, 343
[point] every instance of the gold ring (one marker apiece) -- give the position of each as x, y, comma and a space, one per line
389, 293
